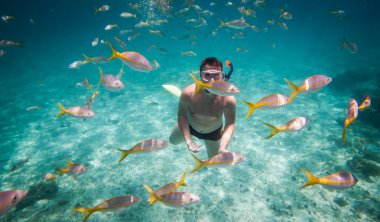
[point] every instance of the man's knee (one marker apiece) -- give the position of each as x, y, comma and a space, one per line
175, 139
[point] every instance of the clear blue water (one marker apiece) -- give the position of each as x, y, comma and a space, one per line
266, 187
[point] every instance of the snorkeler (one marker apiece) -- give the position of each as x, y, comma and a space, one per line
201, 115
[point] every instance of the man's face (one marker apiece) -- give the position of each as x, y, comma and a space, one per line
211, 73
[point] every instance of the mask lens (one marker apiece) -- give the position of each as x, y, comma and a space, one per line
206, 75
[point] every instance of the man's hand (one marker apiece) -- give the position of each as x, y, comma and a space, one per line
222, 150
193, 147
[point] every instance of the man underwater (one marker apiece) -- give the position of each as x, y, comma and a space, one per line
201, 114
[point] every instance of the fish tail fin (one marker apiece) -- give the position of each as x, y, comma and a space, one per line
88, 59
293, 90
251, 107
85, 211
198, 84
114, 52
311, 179
96, 10
153, 197
274, 130
101, 77
182, 181
88, 85
58, 167
198, 164
221, 23
63, 110
124, 154
344, 133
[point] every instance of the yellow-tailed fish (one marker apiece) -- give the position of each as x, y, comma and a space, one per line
282, 25
77, 64
98, 59
218, 87
121, 43
110, 81
352, 113
268, 102
108, 205
173, 90
102, 8
174, 199
235, 24
285, 14
365, 104
50, 176
293, 125
134, 60
87, 84
259, 3
30, 108
146, 146
351, 47
78, 111
7, 18
188, 53
72, 168
9, 199
220, 160
168, 188
313, 83
19, 164
341, 180
4, 42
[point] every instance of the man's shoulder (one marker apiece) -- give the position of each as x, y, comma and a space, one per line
189, 90
230, 100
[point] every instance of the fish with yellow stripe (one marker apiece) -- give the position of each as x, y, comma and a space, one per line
340, 180
224, 159
352, 114
268, 102
313, 83
146, 146
293, 125
218, 87
78, 111
108, 205
168, 188
174, 199
72, 168
134, 60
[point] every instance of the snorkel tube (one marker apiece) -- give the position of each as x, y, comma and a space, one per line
229, 64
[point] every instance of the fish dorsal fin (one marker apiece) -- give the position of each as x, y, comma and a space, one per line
69, 163
121, 72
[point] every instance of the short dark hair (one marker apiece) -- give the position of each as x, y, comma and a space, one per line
211, 61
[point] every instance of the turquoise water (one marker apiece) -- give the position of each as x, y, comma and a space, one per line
266, 187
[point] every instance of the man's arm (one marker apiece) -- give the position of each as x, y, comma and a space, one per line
183, 108
183, 123
230, 117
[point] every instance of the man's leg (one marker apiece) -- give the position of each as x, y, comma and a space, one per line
212, 147
176, 136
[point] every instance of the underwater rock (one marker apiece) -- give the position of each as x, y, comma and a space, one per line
364, 167
352, 78
341, 202
39, 191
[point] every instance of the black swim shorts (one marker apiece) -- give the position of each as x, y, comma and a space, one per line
214, 135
